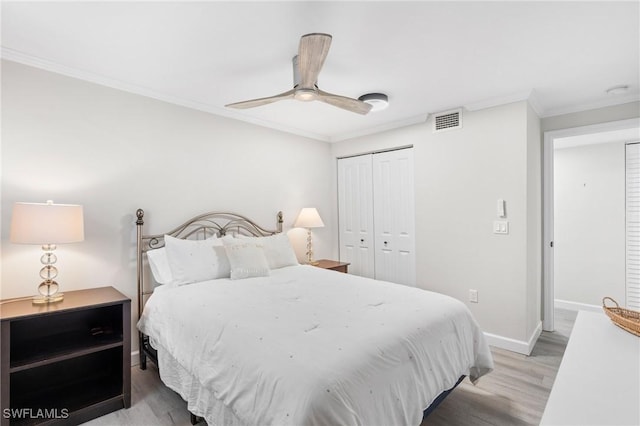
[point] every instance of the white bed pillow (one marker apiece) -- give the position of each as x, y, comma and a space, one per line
196, 260
277, 249
159, 265
246, 258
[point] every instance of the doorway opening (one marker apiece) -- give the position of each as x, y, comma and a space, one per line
628, 130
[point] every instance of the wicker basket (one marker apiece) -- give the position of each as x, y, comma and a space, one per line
623, 318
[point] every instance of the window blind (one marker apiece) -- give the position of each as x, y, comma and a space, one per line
633, 225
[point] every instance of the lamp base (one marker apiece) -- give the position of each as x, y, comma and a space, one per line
313, 263
43, 300
48, 290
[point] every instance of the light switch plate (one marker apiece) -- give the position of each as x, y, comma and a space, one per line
500, 227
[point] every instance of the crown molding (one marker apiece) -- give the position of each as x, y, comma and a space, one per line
530, 96
615, 100
22, 58
534, 102
380, 128
500, 100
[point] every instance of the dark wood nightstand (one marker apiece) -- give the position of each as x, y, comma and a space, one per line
65, 362
333, 265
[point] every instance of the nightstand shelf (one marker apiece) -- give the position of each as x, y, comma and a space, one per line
48, 337
40, 361
334, 265
72, 384
70, 359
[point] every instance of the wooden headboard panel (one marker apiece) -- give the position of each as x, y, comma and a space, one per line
200, 227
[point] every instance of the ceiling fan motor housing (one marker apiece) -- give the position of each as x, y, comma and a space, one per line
302, 94
296, 73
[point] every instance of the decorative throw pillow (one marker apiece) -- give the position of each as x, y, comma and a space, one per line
196, 260
277, 249
247, 259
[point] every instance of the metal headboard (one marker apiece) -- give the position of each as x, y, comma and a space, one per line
200, 227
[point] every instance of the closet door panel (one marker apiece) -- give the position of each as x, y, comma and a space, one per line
355, 214
405, 220
385, 266
365, 263
406, 268
383, 212
394, 216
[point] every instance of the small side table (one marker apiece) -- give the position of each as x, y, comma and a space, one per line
70, 360
334, 265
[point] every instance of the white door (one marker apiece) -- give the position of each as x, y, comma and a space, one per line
355, 214
394, 216
633, 226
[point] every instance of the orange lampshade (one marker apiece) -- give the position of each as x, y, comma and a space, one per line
46, 223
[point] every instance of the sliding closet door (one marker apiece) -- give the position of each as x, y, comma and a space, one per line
355, 214
394, 216
633, 225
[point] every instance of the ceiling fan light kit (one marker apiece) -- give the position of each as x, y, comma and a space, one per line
378, 101
305, 95
307, 64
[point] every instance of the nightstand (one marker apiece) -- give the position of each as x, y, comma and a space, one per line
65, 362
333, 265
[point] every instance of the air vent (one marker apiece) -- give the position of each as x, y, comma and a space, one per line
447, 120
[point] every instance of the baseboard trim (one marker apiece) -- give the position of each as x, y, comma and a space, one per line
576, 306
135, 358
513, 345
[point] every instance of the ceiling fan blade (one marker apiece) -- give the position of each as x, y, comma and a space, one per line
311, 55
343, 102
262, 101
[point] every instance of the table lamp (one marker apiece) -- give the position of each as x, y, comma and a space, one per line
47, 224
309, 218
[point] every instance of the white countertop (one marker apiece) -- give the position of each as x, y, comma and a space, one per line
598, 382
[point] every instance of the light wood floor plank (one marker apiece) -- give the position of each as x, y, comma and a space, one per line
514, 394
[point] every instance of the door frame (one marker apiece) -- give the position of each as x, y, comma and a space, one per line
548, 207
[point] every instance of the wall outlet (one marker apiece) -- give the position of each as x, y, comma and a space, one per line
473, 296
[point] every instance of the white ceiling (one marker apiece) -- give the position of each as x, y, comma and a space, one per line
426, 56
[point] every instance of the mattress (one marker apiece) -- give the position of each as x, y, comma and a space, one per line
308, 346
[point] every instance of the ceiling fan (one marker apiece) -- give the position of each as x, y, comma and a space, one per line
307, 64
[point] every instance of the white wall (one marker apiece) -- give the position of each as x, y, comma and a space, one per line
113, 152
534, 224
589, 221
459, 175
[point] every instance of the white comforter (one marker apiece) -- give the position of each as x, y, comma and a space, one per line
307, 346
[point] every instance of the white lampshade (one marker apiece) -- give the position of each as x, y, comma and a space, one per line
46, 223
309, 218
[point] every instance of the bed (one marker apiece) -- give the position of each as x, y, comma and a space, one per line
269, 341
